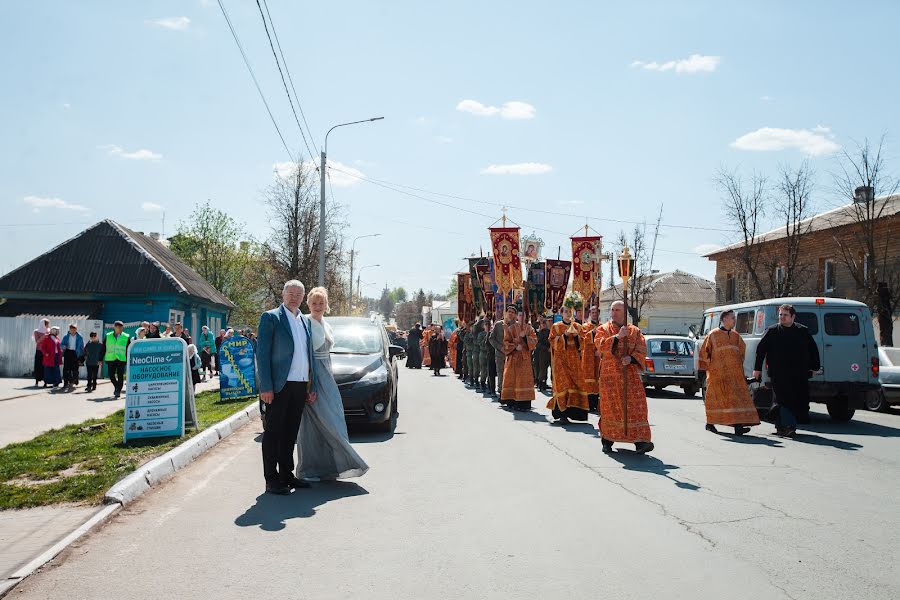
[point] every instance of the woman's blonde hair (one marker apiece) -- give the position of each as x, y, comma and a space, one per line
319, 291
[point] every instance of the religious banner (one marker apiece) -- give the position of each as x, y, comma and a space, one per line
465, 307
237, 369
534, 286
508, 268
586, 264
556, 280
477, 282
498, 300
483, 271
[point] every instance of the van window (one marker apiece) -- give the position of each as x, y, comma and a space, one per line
760, 321
808, 320
671, 348
744, 322
841, 324
708, 321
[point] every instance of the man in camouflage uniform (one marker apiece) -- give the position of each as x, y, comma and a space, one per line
471, 351
480, 337
487, 354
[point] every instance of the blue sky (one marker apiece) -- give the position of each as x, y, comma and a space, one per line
606, 110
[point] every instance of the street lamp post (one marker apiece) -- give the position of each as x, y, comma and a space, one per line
358, 289
352, 250
322, 175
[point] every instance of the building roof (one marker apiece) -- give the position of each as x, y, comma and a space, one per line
843, 215
62, 309
109, 259
676, 287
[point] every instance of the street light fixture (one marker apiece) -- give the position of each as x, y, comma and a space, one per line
322, 175
352, 251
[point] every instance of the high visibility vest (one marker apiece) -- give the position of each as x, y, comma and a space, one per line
116, 348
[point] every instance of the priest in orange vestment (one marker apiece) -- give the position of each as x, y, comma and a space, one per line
519, 339
590, 363
728, 400
451, 348
426, 337
623, 412
569, 399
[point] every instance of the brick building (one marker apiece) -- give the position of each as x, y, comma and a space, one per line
832, 262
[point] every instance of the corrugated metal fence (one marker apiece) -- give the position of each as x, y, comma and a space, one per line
17, 341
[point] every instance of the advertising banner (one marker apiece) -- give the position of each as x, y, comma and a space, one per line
156, 388
237, 369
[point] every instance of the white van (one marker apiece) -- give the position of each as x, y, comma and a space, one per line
843, 332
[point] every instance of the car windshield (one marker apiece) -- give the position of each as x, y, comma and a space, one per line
354, 338
674, 348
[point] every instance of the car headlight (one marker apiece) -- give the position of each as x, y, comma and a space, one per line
378, 376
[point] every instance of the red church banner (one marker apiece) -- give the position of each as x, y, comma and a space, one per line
507, 266
483, 270
556, 280
585, 264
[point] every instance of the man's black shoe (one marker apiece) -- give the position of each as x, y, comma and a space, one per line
741, 429
297, 483
643, 447
607, 446
711, 428
279, 489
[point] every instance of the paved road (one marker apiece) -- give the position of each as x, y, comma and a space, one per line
467, 500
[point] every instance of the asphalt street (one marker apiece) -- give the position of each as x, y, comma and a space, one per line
468, 500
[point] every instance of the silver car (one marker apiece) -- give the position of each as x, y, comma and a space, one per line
670, 361
889, 377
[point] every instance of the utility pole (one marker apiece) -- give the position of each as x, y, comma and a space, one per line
655, 237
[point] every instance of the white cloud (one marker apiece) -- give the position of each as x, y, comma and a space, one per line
529, 168
173, 23
704, 249
206, 3
66, 105
443, 139
571, 202
766, 98
816, 142
38, 202
514, 109
695, 63
363, 163
152, 207
341, 175
142, 154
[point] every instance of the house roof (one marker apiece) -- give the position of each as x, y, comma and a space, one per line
110, 259
677, 287
843, 215
66, 310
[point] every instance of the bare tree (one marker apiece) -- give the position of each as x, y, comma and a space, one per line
292, 248
864, 245
640, 289
744, 204
793, 205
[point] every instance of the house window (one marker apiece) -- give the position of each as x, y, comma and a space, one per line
729, 288
828, 278
780, 275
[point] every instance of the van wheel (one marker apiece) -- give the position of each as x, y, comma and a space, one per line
839, 409
875, 401
690, 390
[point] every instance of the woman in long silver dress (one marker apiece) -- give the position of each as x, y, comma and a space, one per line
323, 445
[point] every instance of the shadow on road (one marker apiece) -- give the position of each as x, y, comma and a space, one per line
367, 436
751, 440
271, 512
645, 463
818, 440
528, 415
578, 427
851, 428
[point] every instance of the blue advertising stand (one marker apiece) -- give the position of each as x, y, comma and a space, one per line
237, 369
158, 400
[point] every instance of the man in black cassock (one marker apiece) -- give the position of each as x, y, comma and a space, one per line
413, 350
793, 358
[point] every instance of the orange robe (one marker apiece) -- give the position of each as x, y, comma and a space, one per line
590, 364
518, 376
728, 399
613, 423
565, 365
451, 349
426, 354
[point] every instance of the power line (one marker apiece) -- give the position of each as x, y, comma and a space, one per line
290, 79
280, 72
523, 208
253, 76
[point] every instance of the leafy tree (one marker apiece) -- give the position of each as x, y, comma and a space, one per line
386, 304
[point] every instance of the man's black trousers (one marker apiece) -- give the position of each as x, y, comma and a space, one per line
280, 434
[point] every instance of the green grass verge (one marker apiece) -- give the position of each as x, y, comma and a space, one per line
79, 463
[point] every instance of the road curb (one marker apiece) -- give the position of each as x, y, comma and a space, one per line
162, 467
133, 486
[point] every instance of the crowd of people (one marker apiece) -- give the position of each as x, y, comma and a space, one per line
595, 367
58, 360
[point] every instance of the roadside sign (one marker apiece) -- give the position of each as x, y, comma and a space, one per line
156, 390
237, 369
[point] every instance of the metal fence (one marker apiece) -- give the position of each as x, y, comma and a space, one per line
17, 341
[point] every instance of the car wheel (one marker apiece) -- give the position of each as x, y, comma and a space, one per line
658, 388
839, 409
875, 401
387, 426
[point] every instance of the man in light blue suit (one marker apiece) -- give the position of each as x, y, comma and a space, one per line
284, 360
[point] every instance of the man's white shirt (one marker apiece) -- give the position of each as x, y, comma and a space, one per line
300, 363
